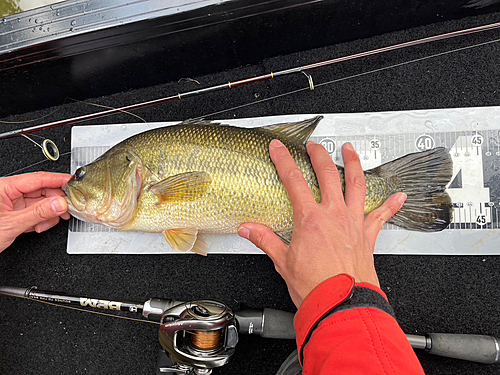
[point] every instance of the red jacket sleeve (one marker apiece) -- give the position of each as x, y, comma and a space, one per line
337, 334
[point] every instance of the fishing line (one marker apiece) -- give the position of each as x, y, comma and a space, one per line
108, 107
90, 311
313, 86
49, 148
241, 82
309, 77
33, 120
32, 165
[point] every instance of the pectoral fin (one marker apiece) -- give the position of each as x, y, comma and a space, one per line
186, 239
184, 186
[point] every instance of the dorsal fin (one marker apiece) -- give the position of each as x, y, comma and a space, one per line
198, 122
298, 132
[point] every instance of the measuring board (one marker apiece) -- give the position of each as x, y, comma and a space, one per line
472, 136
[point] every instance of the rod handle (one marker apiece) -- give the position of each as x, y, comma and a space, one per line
476, 348
269, 323
278, 324
14, 291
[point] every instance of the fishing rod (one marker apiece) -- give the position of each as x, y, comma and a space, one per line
199, 336
195, 336
264, 77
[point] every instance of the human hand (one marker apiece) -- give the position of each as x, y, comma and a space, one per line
30, 202
329, 238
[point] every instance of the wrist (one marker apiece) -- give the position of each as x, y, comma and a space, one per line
338, 293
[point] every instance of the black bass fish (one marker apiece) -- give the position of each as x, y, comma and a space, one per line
199, 177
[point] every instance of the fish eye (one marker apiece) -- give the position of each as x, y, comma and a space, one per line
80, 173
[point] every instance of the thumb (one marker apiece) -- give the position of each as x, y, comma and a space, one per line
376, 219
41, 211
265, 239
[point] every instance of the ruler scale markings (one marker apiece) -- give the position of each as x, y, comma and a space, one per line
477, 148
452, 129
497, 152
496, 216
469, 224
466, 143
467, 214
488, 152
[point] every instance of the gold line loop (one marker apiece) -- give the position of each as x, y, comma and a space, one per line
49, 148
310, 80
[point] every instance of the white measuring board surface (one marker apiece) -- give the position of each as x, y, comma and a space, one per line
472, 136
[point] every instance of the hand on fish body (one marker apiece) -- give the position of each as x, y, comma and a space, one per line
329, 238
199, 177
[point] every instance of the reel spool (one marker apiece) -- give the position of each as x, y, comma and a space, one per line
198, 336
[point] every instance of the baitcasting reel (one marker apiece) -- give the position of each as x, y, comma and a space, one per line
195, 336
198, 336
201, 335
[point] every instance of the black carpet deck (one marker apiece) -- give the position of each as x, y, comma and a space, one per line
457, 294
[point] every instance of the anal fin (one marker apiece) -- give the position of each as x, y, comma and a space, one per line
186, 239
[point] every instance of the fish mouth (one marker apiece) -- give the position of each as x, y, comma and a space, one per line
110, 212
75, 198
65, 189
77, 204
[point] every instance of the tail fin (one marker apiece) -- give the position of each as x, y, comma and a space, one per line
423, 177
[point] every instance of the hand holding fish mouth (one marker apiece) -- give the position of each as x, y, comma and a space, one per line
30, 202
329, 238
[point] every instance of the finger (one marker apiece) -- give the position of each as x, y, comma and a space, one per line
34, 197
326, 173
290, 174
48, 192
355, 183
376, 219
46, 209
21, 203
266, 240
46, 225
29, 182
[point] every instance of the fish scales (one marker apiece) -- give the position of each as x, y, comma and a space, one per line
199, 177
245, 186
